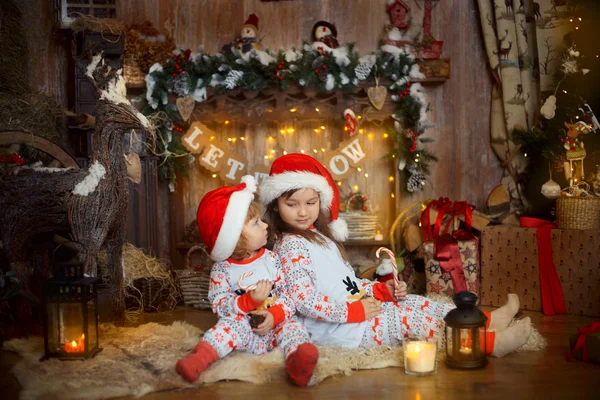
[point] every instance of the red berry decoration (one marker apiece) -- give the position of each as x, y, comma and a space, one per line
316, 71
364, 208
324, 66
174, 74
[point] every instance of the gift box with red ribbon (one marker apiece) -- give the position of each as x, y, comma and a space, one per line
552, 270
451, 256
585, 345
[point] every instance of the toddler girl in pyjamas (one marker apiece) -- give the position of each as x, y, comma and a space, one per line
244, 278
302, 201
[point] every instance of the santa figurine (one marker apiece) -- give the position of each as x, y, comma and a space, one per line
248, 39
325, 35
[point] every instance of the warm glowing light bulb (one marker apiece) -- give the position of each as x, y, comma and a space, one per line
242, 138
359, 169
282, 131
391, 179
323, 127
284, 152
294, 109
323, 149
270, 138
370, 136
317, 109
361, 131
366, 175
393, 195
385, 136
227, 122
302, 151
214, 175
266, 156
291, 130
339, 183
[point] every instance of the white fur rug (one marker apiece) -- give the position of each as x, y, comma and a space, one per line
140, 360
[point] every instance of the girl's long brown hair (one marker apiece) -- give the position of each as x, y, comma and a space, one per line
277, 227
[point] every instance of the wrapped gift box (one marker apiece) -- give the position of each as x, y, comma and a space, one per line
509, 264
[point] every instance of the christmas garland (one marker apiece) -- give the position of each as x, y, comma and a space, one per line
192, 73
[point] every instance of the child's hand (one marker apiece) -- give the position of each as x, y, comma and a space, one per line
267, 324
398, 294
372, 307
262, 291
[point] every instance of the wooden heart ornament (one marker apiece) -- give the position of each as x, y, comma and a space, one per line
185, 106
134, 167
377, 96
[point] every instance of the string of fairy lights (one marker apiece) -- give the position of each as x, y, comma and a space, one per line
274, 148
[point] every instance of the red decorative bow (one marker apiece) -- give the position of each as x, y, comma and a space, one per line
446, 251
581, 340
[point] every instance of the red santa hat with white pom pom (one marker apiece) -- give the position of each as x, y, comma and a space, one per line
299, 171
222, 215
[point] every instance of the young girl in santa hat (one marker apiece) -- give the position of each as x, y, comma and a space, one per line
302, 201
245, 277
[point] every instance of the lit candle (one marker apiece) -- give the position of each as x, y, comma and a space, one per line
378, 236
465, 351
419, 357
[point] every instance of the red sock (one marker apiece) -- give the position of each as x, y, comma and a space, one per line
301, 363
194, 364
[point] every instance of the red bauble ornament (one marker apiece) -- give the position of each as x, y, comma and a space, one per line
174, 74
324, 66
364, 208
316, 71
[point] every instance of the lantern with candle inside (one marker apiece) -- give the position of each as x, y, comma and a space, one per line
70, 310
465, 333
419, 357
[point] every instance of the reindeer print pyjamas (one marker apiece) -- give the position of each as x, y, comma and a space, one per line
326, 292
232, 305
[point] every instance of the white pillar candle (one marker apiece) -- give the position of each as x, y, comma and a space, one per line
420, 357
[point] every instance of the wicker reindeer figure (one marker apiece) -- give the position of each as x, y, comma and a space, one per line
91, 203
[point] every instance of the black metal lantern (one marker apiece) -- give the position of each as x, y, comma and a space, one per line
465, 333
70, 313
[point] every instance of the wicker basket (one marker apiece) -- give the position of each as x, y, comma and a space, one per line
194, 281
578, 212
133, 74
361, 226
154, 296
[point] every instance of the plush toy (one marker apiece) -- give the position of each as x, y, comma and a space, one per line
325, 33
248, 39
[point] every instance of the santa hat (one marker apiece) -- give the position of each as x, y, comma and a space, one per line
222, 215
299, 171
252, 23
319, 24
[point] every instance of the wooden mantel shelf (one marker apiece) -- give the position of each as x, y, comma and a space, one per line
304, 104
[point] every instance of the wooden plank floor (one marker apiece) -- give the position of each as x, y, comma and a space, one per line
531, 375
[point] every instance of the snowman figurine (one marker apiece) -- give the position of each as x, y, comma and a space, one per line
248, 40
325, 35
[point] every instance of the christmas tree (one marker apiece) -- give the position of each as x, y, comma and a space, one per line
564, 145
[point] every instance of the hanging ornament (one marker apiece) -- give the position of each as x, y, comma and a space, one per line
351, 122
551, 189
134, 167
548, 110
185, 106
377, 96
401, 164
363, 70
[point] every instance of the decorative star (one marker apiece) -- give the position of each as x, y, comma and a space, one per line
473, 286
471, 268
467, 252
435, 287
446, 277
434, 269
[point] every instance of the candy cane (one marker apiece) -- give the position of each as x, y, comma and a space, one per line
241, 285
395, 272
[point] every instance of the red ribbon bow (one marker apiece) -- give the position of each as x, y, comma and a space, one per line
446, 251
553, 299
581, 340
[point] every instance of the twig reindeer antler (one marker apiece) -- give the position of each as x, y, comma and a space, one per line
395, 270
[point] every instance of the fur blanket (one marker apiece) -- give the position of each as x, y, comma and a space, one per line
140, 360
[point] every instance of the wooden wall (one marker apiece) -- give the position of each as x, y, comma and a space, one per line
467, 167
